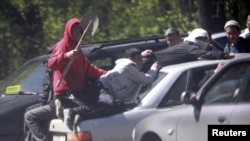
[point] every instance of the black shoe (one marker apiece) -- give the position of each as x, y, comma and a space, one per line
69, 118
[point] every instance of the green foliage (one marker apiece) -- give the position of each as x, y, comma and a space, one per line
237, 10
173, 18
29, 27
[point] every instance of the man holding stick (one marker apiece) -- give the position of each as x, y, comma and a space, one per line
63, 51
73, 82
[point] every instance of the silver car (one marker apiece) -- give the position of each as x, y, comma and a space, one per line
223, 100
163, 93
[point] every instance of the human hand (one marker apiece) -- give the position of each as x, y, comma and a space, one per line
219, 66
146, 53
232, 55
72, 54
156, 65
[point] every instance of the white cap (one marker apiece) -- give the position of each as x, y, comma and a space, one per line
198, 32
232, 23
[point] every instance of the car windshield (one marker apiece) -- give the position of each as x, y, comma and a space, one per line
28, 78
146, 88
142, 91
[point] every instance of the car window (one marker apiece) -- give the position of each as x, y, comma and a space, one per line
223, 40
189, 80
27, 78
228, 86
173, 96
217, 45
144, 89
220, 38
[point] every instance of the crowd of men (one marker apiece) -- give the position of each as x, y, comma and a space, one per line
112, 87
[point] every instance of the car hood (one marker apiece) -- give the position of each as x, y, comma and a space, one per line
11, 103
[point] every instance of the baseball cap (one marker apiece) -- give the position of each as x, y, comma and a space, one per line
195, 34
171, 31
198, 32
232, 23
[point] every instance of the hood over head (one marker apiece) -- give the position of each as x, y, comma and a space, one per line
67, 32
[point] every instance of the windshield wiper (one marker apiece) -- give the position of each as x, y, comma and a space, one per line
27, 93
22, 93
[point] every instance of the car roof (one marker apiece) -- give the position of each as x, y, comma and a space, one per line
240, 57
103, 50
188, 65
218, 35
97, 50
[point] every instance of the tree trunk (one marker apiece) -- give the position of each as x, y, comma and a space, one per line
212, 15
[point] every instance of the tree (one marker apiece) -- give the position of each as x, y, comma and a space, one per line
29, 27
212, 15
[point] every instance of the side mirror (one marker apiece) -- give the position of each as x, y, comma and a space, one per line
188, 97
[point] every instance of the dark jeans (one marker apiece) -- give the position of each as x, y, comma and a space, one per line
99, 109
36, 120
104, 105
98, 102
88, 96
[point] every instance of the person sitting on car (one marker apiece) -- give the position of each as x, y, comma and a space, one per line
73, 83
115, 87
63, 52
194, 47
37, 117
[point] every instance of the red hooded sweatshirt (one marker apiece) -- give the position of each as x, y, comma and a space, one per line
75, 78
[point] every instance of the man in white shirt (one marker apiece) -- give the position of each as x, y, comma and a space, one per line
246, 33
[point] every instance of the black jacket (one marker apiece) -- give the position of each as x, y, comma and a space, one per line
183, 52
48, 96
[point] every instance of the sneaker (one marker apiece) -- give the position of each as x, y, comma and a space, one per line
69, 118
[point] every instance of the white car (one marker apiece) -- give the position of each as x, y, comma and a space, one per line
222, 104
164, 92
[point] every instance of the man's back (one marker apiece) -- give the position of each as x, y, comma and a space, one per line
182, 52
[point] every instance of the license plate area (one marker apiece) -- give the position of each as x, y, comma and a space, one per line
59, 138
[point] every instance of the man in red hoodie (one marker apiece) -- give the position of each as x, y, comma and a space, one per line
63, 52
73, 82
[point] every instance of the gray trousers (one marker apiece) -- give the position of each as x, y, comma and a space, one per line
37, 120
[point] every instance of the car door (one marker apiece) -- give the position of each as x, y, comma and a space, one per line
218, 101
241, 111
189, 79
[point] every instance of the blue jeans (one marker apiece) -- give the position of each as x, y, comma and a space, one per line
37, 121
